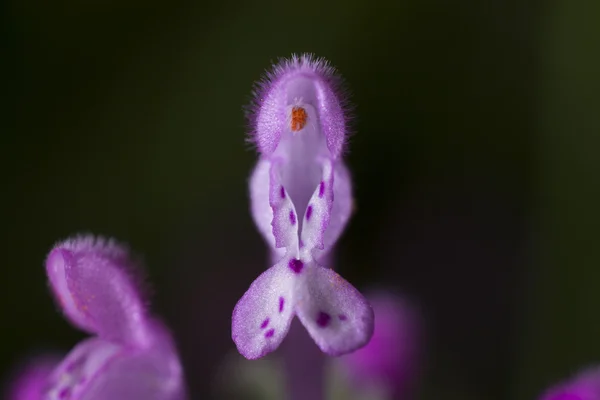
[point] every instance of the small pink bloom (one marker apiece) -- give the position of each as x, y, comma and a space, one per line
301, 200
132, 355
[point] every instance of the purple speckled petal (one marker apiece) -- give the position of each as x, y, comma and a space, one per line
318, 211
306, 80
323, 219
97, 369
262, 317
31, 380
94, 282
336, 315
585, 386
88, 360
285, 220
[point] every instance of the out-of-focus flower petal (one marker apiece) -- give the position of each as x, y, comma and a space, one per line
98, 369
133, 356
81, 367
391, 358
29, 382
95, 283
585, 386
262, 317
336, 315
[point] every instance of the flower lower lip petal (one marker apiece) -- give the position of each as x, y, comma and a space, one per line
262, 317
336, 315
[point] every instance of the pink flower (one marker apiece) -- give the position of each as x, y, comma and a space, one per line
131, 356
301, 200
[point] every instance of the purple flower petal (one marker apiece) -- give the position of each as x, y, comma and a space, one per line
81, 367
31, 380
284, 222
93, 282
310, 81
391, 357
320, 203
585, 386
324, 219
262, 213
341, 208
269, 298
326, 296
97, 369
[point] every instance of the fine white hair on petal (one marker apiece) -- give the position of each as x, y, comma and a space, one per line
266, 113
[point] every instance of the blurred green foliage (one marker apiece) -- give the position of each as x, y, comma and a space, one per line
561, 329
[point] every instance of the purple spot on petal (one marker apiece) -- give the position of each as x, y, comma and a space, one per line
342, 317
281, 303
321, 189
282, 192
270, 333
308, 212
323, 319
292, 217
264, 323
296, 265
65, 393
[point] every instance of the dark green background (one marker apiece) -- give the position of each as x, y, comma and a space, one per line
474, 159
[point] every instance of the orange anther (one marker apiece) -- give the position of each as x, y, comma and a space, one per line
299, 117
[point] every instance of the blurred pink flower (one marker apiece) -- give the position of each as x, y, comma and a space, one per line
392, 357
